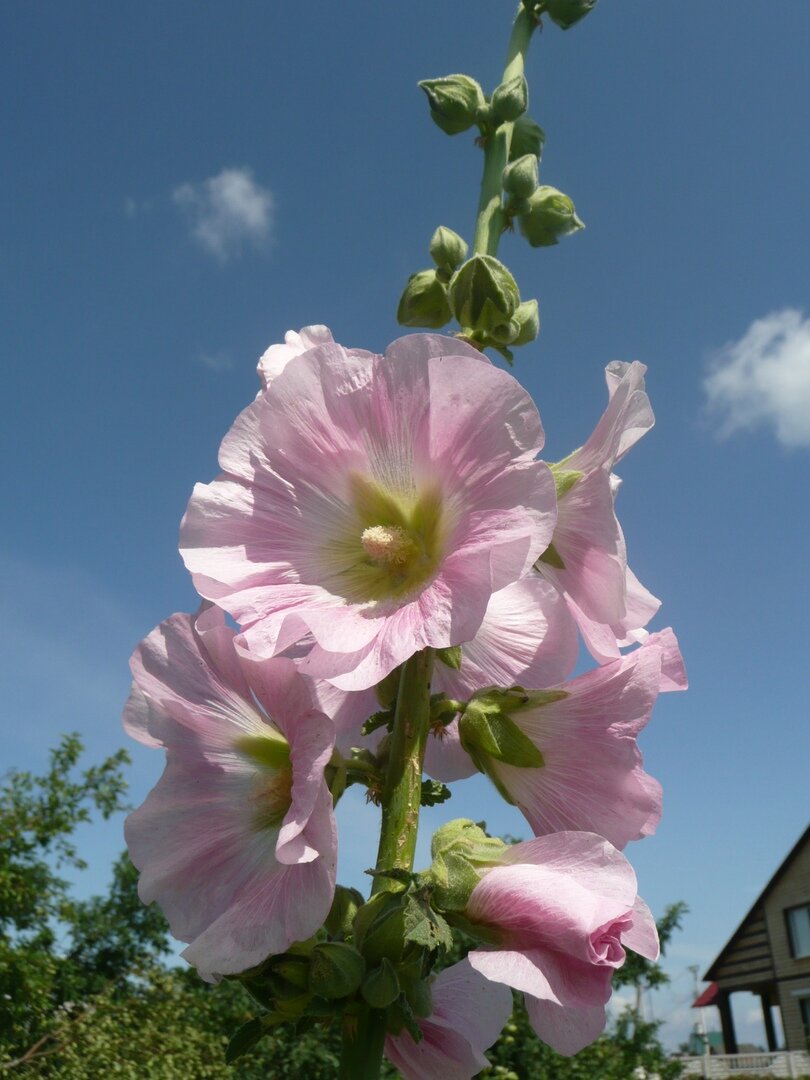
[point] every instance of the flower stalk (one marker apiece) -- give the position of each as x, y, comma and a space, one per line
403, 781
490, 221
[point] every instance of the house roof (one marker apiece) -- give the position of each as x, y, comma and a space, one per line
707, 997
786, 862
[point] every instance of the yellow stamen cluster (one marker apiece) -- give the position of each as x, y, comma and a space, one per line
389, 545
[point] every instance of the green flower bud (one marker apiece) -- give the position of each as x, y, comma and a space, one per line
483, 294
510, 100
487, 732
336, 971
550, 216
528, 318
447, 249
424, 301
520, 177
381, 986
379, 928
341, 915
454, 101
527, 138
567, 12
464, 837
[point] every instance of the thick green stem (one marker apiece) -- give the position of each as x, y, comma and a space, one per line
362, 1051
490, 221
403, 781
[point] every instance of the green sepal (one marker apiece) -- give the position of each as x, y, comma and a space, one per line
566, 13
527, 138
550, 216
381, 986
447, 249
386, 690
400, 1015
424, 302
345, 905
419, 997
336, 970
383, 718
483, 294
455, 102
379, 928
467, 838
433, 793
527, 317
564, 480
452, 878
552, 557
450, 657
510, 100
487, 730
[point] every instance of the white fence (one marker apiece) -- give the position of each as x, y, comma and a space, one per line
791, 1064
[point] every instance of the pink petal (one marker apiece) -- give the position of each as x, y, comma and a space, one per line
565, 1028
642, 936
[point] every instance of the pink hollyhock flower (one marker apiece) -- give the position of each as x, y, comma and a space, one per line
564, 908
237, 841
587, 561
276, 357
468, 1015
591, 775
375, 503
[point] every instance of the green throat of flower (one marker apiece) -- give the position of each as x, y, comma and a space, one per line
396, 545
271, 793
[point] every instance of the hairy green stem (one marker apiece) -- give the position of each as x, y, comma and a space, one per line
490, 221
362, 1051
403, 781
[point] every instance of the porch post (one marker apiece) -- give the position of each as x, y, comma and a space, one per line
727, 1022
767, 1015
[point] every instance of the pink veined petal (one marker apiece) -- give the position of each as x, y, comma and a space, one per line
673, 669
627, 417
592, 778
565, 1028
468, 1014
642, 935
276, 357
139, 718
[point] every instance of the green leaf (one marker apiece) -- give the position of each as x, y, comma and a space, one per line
425, 927
552, 557
245, 1038
434, 792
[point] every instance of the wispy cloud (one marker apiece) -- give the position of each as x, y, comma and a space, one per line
763, 380
218, 362
227, 212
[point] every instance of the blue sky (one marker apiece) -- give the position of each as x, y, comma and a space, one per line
185, 182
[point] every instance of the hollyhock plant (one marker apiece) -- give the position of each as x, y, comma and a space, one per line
587, 559
588, 772
468, 1015
560, 912
237, 841
375, 503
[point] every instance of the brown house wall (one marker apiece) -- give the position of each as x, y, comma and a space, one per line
792, 973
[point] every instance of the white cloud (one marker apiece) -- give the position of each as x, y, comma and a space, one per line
218, 362
763, 380
227, 211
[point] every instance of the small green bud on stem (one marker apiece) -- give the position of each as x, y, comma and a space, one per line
424, 301
483, 294
510, 100
455, 101
520, 177
447, 249
550, 215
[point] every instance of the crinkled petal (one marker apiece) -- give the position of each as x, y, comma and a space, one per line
565, 1028
627, 417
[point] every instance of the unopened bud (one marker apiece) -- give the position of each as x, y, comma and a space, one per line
550, 216
483, 294
454, 101
510, 100
381, 986
336, 970
345, 906
567, 12
527, 138
379, 928
447, 249
520, 177
424, 302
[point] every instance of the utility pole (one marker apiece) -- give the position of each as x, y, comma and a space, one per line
700, 1024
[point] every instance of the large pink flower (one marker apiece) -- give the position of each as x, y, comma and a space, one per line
588, 559
375, 503
468, 1015
592, 776
564, 907
237, 841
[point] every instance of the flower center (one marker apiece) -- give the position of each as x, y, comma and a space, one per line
271, 790
389, 545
